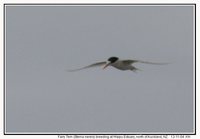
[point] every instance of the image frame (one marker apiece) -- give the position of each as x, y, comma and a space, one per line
96, 4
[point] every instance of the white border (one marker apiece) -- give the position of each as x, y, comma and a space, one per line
100, 5
118, 2
102, 132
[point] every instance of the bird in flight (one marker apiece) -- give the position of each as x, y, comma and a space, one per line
118, 64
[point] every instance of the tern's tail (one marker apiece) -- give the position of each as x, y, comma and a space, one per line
135, 69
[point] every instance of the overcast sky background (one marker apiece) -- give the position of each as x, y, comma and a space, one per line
43, 41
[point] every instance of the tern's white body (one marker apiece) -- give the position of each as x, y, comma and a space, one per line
121, 65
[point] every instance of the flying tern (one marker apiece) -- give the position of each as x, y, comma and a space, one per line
118, 64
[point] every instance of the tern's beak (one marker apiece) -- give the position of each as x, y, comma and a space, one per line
106, 65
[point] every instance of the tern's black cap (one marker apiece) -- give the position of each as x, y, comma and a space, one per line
113, 59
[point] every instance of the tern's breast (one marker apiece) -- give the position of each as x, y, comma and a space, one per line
120, 65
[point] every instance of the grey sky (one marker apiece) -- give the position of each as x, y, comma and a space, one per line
43, 41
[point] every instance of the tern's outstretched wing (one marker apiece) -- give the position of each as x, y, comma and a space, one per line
89, 66
140, 61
